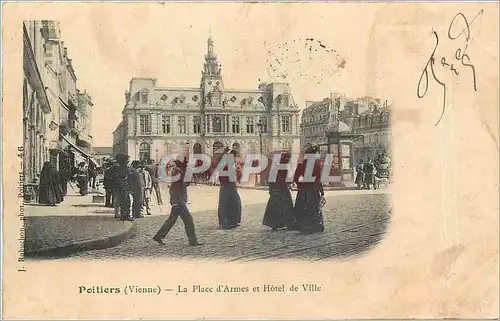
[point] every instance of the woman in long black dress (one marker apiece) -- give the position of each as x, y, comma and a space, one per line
279, 209
229, 210
82, 178
360, 174
49, 189
308, 212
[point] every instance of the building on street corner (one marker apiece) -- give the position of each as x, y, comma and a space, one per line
317, 117
56, 115
206, 119
370, 118
37, 110
350, 129
366, 116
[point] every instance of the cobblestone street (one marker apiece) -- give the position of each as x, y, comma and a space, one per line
354, 221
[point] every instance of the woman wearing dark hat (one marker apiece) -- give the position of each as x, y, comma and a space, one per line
49, 190
308, 212
360, 174
229, 209
82, 178
279, 209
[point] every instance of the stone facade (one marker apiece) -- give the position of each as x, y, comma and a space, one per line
366, 116
37, 111
53, 108
317, 116
374, 124
73, 107
158, 120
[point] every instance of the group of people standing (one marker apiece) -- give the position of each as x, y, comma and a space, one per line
305, 216
368, 173
53, 184
129, 188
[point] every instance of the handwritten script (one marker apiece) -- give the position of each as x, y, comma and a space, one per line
459, 29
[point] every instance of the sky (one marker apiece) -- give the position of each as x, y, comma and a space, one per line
304, 45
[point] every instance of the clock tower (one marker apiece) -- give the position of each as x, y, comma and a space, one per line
211, 79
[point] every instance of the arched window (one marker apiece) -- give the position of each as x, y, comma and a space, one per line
216, 124
237, 147
252, 149
218, 148
197, 148
376, 138
144, 151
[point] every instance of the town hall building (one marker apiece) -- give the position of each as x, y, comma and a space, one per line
158, 121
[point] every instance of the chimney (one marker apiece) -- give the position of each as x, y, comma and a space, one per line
309, 103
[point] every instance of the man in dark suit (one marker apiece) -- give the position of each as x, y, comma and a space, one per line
369, 177
136, 185
178, 200
121, 184
153, 171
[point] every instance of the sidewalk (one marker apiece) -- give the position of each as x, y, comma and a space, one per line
72, 226
79, 225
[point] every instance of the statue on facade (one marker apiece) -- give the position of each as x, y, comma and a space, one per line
208, 99
127, 96
217, 96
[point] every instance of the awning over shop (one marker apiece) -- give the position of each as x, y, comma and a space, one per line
80, 151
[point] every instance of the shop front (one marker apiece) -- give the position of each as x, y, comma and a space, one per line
72, 156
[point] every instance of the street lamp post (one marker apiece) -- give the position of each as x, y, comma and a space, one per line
259, 126
187, 144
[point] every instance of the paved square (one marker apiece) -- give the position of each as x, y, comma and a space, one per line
354, 222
